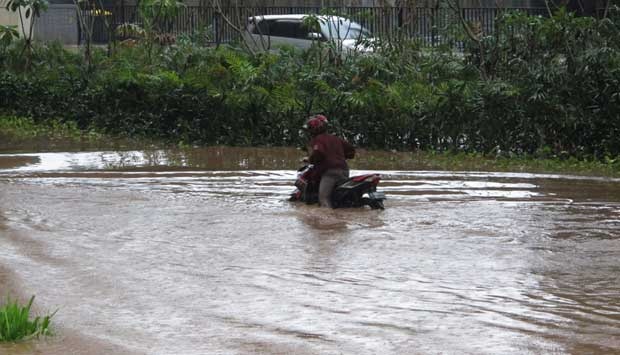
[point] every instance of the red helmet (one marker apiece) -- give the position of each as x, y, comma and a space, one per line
316, 124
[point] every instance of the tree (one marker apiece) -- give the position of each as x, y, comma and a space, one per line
27, 10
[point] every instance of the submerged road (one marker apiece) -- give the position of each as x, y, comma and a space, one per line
148, 253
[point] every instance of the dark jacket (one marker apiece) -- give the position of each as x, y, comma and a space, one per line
330, 152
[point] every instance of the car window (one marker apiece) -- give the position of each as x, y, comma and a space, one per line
288, 28
262, 27
343, 29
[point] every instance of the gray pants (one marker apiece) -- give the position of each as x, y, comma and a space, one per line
328, 183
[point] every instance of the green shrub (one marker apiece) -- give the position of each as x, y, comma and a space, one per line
15, 322
549, 84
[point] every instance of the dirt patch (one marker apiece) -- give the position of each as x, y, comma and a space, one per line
61, 344
7, 281
64, 341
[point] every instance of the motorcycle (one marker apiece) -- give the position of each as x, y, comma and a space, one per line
356, 191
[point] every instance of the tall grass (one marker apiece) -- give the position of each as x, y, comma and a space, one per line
15, 322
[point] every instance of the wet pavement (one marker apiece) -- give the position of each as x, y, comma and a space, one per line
198, 252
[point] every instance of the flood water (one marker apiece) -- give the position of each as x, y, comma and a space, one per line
198, 252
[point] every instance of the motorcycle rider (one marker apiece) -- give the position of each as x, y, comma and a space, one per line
328, 154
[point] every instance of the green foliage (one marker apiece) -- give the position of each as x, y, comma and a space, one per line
15, 322
155, 27
550, 88
130, 30
159, 9
31, 7
8, 34
22, 127
28, 11
565, 74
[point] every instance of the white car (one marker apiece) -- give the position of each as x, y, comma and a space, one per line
269, 31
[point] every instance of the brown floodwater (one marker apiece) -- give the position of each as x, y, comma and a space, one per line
198, 251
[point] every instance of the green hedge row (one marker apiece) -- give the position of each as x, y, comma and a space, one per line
539, 85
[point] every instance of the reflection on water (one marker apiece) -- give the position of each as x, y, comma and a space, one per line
194, 252
216, 158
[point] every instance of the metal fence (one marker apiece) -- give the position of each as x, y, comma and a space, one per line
430, 24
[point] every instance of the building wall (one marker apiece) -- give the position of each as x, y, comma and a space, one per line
58, 23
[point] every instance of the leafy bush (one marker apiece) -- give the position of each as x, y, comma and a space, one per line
15, 322
549, 85
566, 73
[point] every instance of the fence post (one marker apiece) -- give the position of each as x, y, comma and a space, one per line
216, 25
79, 27
435, 14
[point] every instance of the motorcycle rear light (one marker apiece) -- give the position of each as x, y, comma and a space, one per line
373, 179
